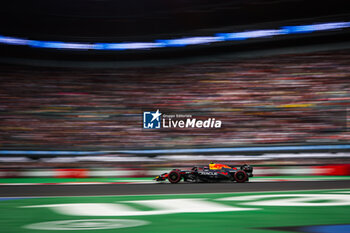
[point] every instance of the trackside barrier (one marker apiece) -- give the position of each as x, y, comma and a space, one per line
255, 149
325, 170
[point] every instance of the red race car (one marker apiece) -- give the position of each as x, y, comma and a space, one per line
213, 173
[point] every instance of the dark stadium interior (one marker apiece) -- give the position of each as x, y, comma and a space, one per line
135, 21
175, 116
110, 19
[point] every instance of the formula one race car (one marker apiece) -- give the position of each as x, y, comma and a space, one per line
212, 173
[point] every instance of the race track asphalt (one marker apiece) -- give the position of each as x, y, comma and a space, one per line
181, 188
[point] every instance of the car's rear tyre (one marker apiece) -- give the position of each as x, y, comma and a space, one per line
174, 177
240, 176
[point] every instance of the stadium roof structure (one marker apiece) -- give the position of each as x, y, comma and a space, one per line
178, 42
154, 29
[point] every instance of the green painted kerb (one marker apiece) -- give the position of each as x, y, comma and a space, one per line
328, 210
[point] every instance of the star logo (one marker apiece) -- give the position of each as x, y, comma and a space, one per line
156, 115
151, 120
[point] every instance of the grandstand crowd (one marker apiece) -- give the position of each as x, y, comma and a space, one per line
278, 99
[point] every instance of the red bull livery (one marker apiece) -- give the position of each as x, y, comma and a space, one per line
213, 173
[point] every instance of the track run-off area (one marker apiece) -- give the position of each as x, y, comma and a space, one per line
254, 207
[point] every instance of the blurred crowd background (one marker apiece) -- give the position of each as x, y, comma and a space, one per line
278, 99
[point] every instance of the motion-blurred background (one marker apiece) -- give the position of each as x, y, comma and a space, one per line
76, 77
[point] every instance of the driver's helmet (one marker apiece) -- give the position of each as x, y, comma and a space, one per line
212, 166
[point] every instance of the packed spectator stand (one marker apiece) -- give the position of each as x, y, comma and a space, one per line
278, 99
